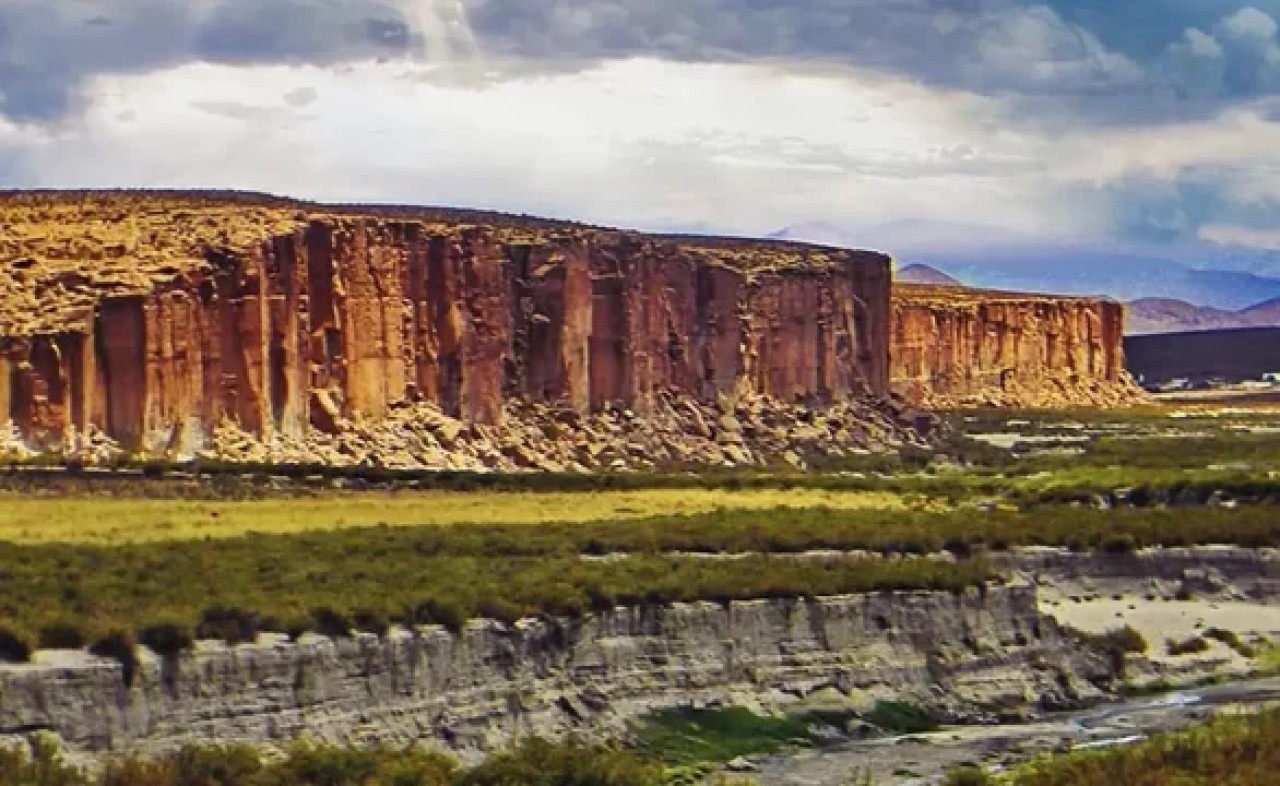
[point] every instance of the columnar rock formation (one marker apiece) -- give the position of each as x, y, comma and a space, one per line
155, 317
953, 346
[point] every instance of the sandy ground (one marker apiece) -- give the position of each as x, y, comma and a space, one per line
1161, 620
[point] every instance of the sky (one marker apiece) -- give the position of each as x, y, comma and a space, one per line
1124, 121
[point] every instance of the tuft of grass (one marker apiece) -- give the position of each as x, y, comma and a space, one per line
1190, 646
1232, 640
686, 737
901, 717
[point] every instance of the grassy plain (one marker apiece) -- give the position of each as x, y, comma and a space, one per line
107, 520
236, 553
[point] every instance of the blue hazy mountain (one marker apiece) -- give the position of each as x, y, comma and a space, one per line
1203, 274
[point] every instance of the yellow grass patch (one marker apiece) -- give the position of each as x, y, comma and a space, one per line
109, 521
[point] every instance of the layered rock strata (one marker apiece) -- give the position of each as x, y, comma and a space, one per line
973, 656
164, 316
955, 347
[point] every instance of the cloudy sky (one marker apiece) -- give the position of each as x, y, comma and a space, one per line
1144, 121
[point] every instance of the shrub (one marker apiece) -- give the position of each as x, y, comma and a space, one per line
41, 765
968, 776
15, 645
333, 624
1232, 640
296, 627
62, 636
191, 766
332, 766
230, 624
537, 761
1190, 646
167, 639
370, 621
1126, 639
119, 646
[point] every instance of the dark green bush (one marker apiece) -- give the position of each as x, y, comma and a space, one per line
15, 645
968, 776
1125, 639
448, 614
370, 621
328, 622
1190, 646
167, 639
67, 635
230, 624
119, 646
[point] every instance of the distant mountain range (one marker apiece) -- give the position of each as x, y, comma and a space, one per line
1163, 315
1228, 278
923, 274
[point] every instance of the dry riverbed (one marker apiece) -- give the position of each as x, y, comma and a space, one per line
920, 759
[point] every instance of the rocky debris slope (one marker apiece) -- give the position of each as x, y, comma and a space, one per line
955, 347
977, 656
678, 432
155, 318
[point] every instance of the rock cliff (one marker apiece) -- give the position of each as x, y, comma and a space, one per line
953, 346
974, 656
153, 318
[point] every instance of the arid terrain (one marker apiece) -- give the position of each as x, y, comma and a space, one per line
395, 489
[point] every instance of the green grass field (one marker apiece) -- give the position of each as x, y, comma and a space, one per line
108, 520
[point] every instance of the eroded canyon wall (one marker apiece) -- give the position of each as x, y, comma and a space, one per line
972, 656
351, 315
953, 346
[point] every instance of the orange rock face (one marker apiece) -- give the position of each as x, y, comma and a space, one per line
296, 316
961, 347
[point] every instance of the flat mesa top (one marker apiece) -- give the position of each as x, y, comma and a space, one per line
62, 251
906, 292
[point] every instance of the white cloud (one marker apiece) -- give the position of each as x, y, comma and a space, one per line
646, 143
641, 142
1241, 236
1249, 22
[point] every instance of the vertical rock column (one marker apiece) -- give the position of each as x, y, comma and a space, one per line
289, 311
722, 353
485, 342
120, 336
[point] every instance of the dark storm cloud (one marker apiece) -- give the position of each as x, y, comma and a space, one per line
1100, 60
47, 49
988, 45
1097, 59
